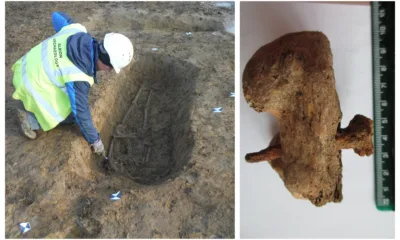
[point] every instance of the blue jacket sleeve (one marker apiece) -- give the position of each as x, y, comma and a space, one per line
78, 93
60, 20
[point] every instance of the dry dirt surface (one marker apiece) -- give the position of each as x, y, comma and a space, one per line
171, 156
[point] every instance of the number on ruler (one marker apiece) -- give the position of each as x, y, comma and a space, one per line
384, 103
385, 137
382, 13
383, 85
382, 30
385, 173
384, 121
385, 189
383, 68
382, 50
385, 155
386, 201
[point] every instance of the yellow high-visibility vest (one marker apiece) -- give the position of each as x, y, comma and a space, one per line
40, 77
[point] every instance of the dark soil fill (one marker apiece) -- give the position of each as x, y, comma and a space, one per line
154, 140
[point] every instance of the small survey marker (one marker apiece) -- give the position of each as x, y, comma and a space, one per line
115, 196
217, 109
25, 227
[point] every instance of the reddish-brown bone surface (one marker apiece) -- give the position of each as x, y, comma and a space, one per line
292, 78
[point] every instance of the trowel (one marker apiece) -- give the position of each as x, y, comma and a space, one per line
105, 163
105, 158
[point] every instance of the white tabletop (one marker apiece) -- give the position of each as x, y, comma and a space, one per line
267, 209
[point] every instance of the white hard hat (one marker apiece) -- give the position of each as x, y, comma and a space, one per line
120, 50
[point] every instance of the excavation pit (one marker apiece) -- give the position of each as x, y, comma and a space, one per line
154, 141
57, 183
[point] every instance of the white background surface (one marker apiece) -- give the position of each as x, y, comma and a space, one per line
267, 209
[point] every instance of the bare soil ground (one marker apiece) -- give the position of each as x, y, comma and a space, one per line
171, 157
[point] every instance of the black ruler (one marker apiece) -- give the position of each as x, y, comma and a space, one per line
383, 48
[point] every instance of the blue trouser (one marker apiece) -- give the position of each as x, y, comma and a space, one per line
36, 126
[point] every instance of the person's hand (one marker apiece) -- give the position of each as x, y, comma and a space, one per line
98, 147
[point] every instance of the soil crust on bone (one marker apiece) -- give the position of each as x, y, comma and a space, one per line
293, 79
